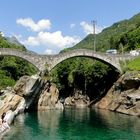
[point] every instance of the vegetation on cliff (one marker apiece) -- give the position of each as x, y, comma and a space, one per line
134, 64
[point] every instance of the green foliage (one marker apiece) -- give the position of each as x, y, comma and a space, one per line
134, 64
12, 68
5, 80
4, 43
81, 73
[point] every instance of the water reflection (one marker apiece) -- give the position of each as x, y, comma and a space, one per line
75, 124
119, 121
77, 114
49, 122
49, 119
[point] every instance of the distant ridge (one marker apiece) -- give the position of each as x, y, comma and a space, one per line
13, 40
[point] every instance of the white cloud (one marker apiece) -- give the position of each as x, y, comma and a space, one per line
88, 28
55, 40
36, 27
72, 25
49, 51
2, 34
31, 41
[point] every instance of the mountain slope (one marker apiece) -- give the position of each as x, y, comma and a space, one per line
13, 40
124, 34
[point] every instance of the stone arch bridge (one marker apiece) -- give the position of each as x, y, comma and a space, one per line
42, 62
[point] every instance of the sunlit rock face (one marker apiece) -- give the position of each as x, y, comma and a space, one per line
124, 96
77, 100
24, 85
48, 99
11, 104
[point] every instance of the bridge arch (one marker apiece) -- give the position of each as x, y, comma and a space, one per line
43, 62
28, 56
111, 60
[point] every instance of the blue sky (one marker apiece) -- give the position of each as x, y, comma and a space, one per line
47, 26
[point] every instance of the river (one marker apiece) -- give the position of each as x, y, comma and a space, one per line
75, 124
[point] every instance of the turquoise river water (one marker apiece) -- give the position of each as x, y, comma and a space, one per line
75, 124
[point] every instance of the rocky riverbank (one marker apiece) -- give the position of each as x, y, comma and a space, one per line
29, 93
124, 96
35, 93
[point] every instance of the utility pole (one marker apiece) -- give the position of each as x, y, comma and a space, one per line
94, 33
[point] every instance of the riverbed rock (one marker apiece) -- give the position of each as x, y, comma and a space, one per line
9, 117
49, 99
124, 96
10, 103
77, 100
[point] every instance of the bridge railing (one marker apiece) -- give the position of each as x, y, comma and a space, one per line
82, 51
10, 51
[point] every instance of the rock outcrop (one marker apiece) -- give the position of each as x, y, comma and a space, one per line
49, 99
77, 100
124, 96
